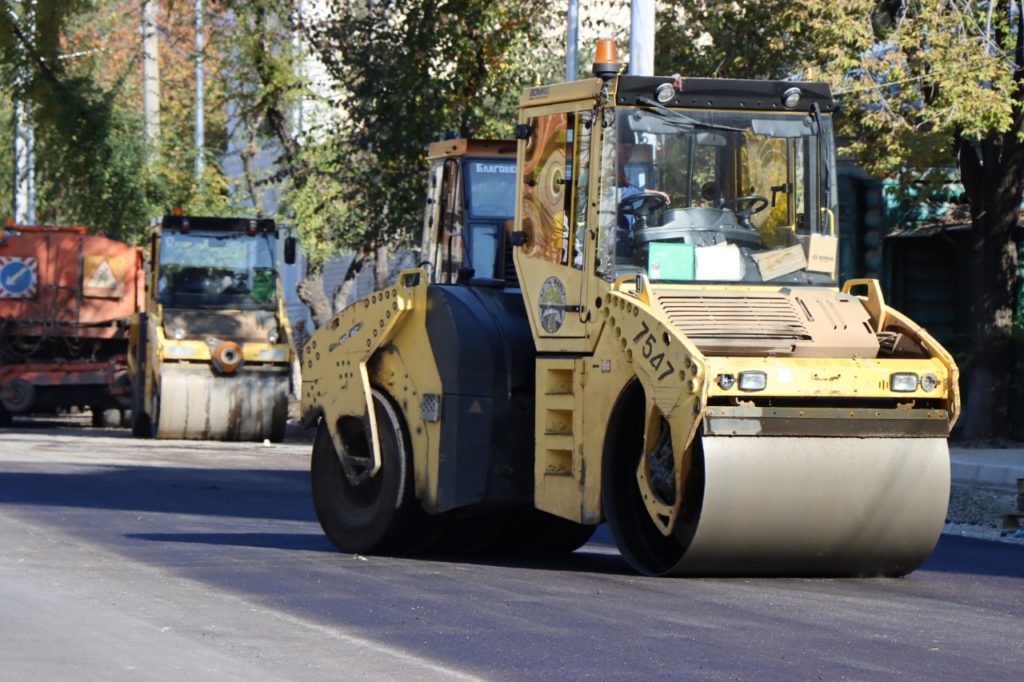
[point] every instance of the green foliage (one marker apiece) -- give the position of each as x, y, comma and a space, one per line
910, 77
93, 164
406, 72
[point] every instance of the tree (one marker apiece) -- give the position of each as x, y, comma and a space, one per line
401, 72
77, 66
924, 85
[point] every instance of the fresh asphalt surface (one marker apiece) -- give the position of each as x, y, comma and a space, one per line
134, 559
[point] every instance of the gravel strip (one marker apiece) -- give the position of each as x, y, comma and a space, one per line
978, 513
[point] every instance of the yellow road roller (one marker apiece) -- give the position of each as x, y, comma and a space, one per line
672, 354
210, 357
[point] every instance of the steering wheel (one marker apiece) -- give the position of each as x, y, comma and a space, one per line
747, 206
641, 205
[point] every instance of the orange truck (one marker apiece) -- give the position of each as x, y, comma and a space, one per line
66, 301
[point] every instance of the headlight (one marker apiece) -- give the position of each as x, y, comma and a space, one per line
791, 97
664, 93
273, 336
903, 382
726, 381
753, 381
178, 334
929, 382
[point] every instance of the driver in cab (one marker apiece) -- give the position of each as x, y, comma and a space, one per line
636, 203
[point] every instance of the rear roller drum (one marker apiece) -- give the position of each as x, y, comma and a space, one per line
379, 514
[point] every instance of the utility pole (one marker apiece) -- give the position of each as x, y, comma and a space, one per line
199, 137
24, 163
151, 71
572, 41
641, 38
24, 195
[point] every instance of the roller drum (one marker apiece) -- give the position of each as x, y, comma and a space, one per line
196, 404
813, 506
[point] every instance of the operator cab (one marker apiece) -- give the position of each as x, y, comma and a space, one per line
717, 193
470, 201
215, 263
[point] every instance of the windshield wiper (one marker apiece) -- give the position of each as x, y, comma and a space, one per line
682, 119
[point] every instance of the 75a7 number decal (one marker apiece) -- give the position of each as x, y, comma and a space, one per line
647, 342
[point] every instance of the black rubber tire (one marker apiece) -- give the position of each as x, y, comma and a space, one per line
639, 541
381, 514
141, 426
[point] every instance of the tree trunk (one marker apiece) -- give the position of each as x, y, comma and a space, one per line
342, 292
991, 173
382, 267
311, 292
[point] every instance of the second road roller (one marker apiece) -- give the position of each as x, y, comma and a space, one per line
672, 355
210, 358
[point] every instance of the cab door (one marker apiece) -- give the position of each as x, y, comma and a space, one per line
548, 255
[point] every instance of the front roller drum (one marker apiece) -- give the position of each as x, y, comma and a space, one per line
196, 404
792, 506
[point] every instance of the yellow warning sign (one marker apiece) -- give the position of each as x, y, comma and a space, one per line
103, 277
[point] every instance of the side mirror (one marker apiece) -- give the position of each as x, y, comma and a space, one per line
289, 251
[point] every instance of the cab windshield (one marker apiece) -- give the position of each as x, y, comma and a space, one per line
217, 270
490, 202
718, 196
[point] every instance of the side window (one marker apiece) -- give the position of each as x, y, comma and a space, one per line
547, 172
450, 231
608, 194
582, 180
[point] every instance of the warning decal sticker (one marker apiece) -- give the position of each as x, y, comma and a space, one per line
18, 277
102, 277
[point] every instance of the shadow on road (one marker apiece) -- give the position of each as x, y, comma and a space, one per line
971, 556
244, 493
309, 542
275, 494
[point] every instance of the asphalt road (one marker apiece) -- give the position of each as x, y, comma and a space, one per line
131, 559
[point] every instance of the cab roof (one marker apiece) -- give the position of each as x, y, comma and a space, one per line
212, 224
462, 146
692, 93
725, 93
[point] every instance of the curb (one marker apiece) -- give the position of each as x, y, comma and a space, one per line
987, 468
